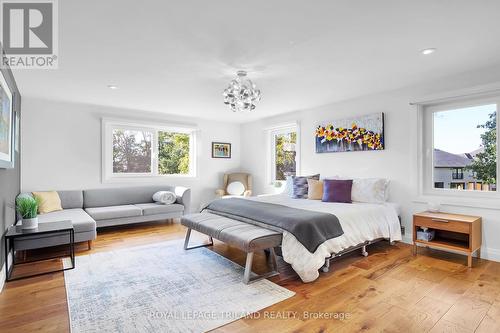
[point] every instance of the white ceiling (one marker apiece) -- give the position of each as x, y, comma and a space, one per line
178, 56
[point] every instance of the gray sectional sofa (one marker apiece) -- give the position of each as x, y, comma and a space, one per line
91, 209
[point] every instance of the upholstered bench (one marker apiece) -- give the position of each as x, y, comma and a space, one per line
244, 236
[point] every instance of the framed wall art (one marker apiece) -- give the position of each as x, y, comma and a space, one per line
221, 150
362, 133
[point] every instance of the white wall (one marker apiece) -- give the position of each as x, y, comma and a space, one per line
397, 162
62, 148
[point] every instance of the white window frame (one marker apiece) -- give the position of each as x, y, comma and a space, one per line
426, 146
108, 125
271, 153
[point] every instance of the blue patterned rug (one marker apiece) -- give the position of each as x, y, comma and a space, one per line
162, 288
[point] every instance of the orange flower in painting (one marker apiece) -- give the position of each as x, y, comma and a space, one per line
320, 131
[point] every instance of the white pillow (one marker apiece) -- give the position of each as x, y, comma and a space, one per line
288, 186
235, 188
164, 197
370, 190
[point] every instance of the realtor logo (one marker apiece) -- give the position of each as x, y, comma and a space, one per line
29, 33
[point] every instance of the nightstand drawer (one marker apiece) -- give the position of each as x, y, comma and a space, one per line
442, 224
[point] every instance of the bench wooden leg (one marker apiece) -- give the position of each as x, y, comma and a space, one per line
89, 243
186, 241
249, 276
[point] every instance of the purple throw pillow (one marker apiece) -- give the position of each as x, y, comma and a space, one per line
336, 190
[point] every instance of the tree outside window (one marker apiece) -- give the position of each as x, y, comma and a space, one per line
131, 151
484, 164
173, 153
285, 155
148, 151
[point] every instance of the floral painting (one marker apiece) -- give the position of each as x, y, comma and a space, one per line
351, 134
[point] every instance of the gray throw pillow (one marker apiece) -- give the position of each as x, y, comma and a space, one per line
300, 187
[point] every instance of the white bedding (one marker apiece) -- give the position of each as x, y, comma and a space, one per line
361, 222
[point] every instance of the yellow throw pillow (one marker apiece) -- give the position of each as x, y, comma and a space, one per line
47, 201
315, 189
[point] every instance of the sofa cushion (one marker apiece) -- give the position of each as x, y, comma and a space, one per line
106, 197
82, 222
114, 212
71, 199
156, 208
48, 201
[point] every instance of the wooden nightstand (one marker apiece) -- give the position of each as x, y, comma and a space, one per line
455, 232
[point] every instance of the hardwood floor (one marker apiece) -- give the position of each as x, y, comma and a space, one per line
388, 291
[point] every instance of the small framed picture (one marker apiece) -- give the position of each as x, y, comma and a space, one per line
221, 150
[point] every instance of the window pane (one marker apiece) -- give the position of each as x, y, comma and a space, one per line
465, 148
285, 155
131, 151
173, 153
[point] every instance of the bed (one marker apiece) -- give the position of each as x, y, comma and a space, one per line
362, 223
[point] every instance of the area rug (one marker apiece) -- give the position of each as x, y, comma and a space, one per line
162, 288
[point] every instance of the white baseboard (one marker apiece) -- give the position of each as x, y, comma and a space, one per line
407, 239
2, 277
490, 254
3, 273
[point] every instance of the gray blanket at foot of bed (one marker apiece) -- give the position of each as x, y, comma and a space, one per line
309, 227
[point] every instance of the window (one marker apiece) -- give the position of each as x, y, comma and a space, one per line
138, 150
457, 173
284, 152
461, 147
173, 153
457, 186
132, 151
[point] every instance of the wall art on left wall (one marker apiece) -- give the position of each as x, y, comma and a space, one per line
221, 150
7, 121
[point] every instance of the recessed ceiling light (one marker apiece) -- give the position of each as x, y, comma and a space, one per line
428, 51
112, 86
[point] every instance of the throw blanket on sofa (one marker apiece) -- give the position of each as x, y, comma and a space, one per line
309, 227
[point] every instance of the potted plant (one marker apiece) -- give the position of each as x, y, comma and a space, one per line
27, 207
